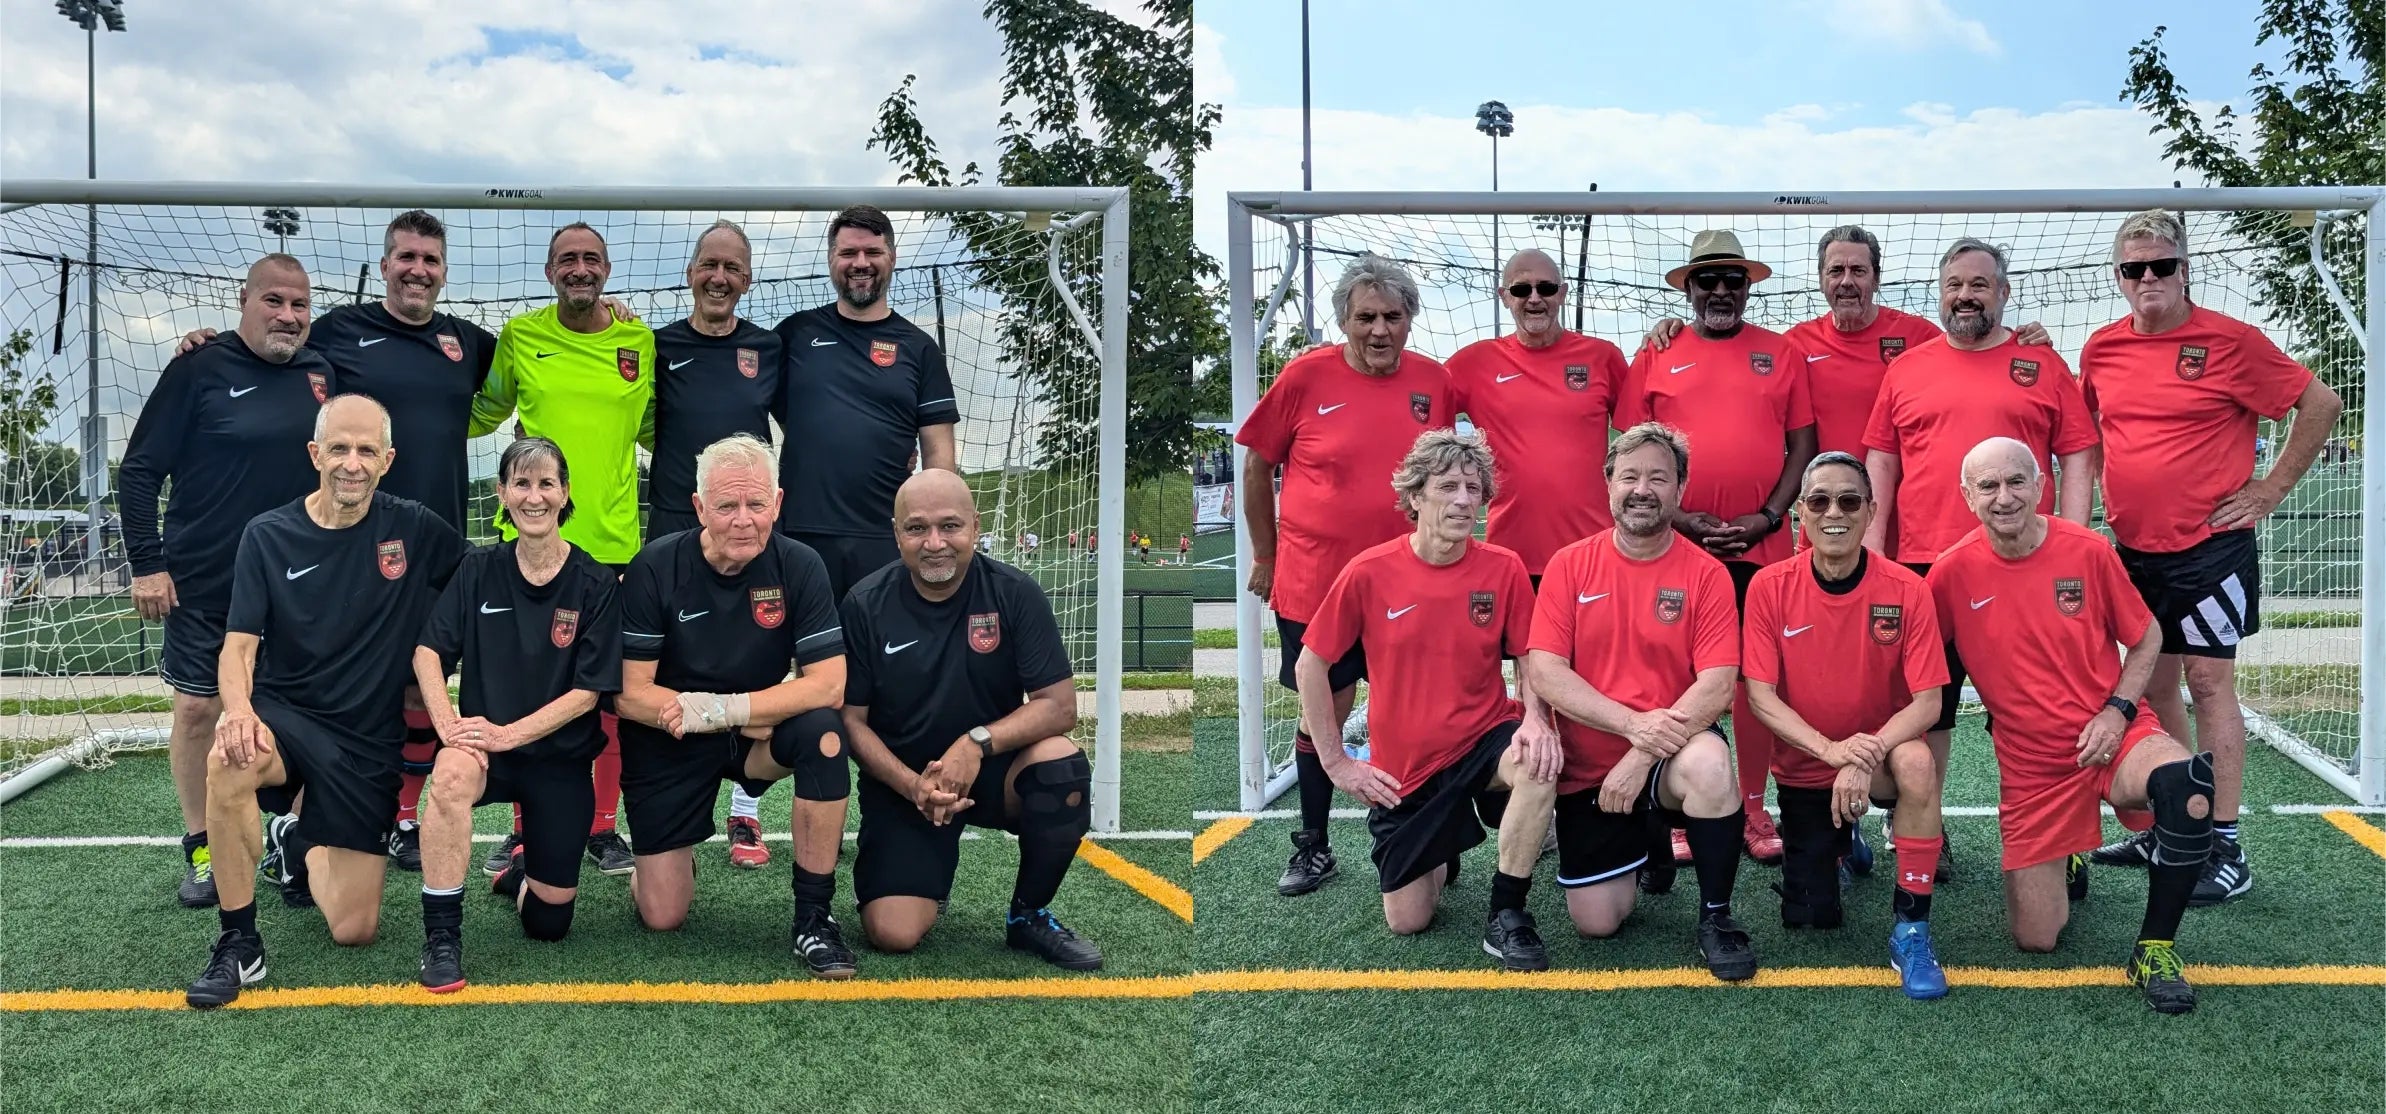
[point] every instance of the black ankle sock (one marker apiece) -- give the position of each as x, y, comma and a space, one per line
2167, 891
813, 891
1715, 855
1317, 790
242, 920
1910, 906
1508, 891
443, 911
193, 841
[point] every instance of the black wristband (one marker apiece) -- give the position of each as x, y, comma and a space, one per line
2127, 708
1773, 521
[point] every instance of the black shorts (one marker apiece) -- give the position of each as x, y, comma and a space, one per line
351, 783
1350, 670
1951, 693
194, 638
2206, 597
900, 854
661, 523
669, 786
1441, 819
1743, 574
850, 558
558, 802
1596, 846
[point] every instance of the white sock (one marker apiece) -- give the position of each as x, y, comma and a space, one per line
429, 892
742, 805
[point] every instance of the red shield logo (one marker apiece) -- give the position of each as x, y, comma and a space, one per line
393, 559
882, 353
2070, 595
627, 360
1760, 362
1480, 606
985, 632
1892, 348
566, 624
1669, 604
749, 362
770, 607
2024, 372
1420, 407
1888, 623
452, 347
2191, 361
322, 387
1578, 377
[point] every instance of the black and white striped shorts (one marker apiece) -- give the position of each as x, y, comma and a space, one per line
2207, 597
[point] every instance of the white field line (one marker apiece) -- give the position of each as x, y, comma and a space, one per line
493, 837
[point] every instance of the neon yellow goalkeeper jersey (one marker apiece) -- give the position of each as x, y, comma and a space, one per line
593, 395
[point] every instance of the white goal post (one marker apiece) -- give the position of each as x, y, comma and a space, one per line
1025, 288
2320, 694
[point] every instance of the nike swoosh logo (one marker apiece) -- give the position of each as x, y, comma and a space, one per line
1331, 409
488, 610
1590, 599
293, 574
1978, 604
1505, 378
1684, 367
544, 355
1391, 614
1824, 356
678, 364
819, 343
894, 649
368, 342
239, 391
684, 616
1787, 632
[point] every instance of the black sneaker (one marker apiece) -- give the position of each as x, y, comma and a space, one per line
821, 945
2155, 969
443, 961
503, 856
406, 848
237, 961
610, 853
1312, 864
295, 891
2135, 850
197, 890
1040, 932
2075, 877
1510, 937
2226, 877
508, 883
1725, 947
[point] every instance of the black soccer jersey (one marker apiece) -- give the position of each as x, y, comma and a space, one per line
338, 612
854, 400
710, 388
931, 670
523, 644
712, 633
425, 375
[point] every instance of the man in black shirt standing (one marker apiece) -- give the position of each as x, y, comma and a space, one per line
228, 423
711, 620
959, 700
866, 392
328, 595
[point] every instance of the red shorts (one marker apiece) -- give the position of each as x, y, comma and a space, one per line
2048, 813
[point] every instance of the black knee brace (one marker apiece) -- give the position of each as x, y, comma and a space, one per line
1811, 847
813, 745
544, 920
2181, 839
1056, 797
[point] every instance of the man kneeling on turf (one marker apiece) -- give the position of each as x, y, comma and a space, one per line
1842, 655
328, 594
959, 701
1437, 612
711, 618
537, 625
2035, 604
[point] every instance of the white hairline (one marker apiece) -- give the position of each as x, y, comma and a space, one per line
736, 451
1964, 479
323, 418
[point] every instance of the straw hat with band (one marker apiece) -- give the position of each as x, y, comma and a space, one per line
1716, 247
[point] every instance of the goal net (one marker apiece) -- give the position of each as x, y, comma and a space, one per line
1015, 285
2295, 262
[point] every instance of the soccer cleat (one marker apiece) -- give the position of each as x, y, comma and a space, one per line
1511, 938
406, 848
295, 891
1549, 841
1312, 865
1681, 846
269, 864
198, 880
443, 961
610, 853
1916, 961
1657, 879
2226, 877
1725, 947
2075, 877
1888, 832
236, 961
1760, 837
2136, 849
503, 856
1040, 932
1859, 855
2154, 967
745, 843
821, 945
508, 883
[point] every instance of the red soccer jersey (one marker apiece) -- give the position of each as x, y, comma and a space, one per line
1735, 399
1434, 636
1545, 412
2038, 638
1339, 435
1845, 663
1639, 631
1938, 401
1843, 371
2177, 412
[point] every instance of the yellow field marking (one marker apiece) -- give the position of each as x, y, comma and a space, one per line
1168, 894
1817, 978
2362, 831
1216, 835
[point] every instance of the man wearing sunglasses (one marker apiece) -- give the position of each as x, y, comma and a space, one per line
1843, 661
2175, 389
1739, 392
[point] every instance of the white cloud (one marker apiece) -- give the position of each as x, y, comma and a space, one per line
1213, 79
1907, 24
1936, 114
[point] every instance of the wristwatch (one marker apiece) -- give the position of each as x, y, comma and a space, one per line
1772, 520
2127, 708
984, 739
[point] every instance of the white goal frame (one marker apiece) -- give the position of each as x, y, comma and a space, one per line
1262, 782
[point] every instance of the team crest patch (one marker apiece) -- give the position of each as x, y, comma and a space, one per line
1480, 606
985, 632
770, 607
1892, 348
1760, 362
1578, 377
393, 559
1420, 407
2024, 372
882, 353
2191, 361
322, 387
1888, 623
627, 360
451, 347
566, 624
749, 362
2071, 594
1669, 604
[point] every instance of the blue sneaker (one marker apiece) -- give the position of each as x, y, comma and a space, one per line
1859, 855
1916, 961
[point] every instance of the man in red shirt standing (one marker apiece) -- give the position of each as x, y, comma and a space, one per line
2034, 604
1636, 644
1844, 662
1739, 392
2175, 389
1338, 420
1437, 613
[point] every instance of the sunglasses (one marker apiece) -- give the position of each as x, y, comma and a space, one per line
1728, 280
2162, 268
1524, 290
1849, 502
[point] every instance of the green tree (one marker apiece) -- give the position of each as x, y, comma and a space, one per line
2320, 121
1091, 99
33, 472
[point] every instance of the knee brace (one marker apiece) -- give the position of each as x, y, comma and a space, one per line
2180, 837
544, 920
1810, 850
813, 745
1056, 798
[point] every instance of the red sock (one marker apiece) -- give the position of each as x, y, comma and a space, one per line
608, 775
1753, 743
420, 747
1918, 863
517, 818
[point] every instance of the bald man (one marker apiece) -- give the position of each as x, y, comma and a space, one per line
328, 595
959, 700
228, 424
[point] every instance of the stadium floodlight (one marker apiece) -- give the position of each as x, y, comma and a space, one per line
282, 224
1493, 119
91, 15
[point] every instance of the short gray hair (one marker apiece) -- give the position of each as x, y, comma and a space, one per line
738, 450
722, 225
1836, 459
323, 417
1372, 270
1848, 234
1438, 451
1649, 433
1972, 244
2153, 224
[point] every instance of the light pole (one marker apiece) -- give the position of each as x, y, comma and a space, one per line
1493, 119
283, 224
1308, 264
91, 15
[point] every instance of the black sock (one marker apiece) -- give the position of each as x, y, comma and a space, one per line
1909, 906
443, 911
1715, 855
1043, 862
813, 891
2167, 891
192, 842
1508, 891
242, 920
1317, 790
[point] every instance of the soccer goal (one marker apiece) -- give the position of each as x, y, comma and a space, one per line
2306, 264
1024, 289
